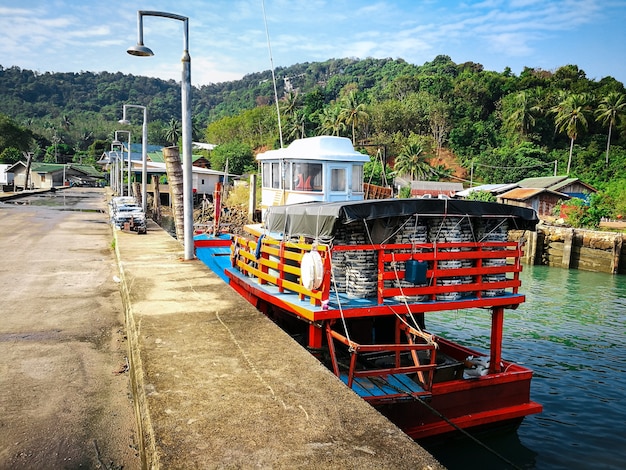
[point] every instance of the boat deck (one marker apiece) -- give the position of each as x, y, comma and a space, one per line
379, 388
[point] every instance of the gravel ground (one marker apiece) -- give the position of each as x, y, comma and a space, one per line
64, 390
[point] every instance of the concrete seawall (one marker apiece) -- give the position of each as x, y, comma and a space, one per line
569, 248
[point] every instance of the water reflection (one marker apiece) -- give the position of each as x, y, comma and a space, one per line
571, 332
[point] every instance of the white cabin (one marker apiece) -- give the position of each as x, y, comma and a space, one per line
323, 168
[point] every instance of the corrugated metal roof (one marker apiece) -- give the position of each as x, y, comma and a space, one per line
492, 188
523, 194
437, 185
541, 182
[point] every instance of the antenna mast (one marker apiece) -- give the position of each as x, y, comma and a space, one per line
269, 47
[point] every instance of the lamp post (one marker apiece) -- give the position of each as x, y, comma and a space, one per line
144, 150
140, 50
119, 171
129, 164
113, 170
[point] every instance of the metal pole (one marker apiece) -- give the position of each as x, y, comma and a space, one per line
129, 164
144, 161
141, 50
121, 165
187, 161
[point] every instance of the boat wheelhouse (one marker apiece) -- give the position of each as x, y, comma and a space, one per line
355, 283
323, 168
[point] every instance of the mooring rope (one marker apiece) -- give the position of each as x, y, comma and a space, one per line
458, 428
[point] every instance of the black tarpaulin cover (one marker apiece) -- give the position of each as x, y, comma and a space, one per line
320, 219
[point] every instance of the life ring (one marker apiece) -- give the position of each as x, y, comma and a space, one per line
311, 270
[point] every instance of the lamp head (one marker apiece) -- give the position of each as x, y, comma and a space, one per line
116, 142
124, 121
140, 50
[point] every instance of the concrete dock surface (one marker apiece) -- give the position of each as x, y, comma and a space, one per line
217, 385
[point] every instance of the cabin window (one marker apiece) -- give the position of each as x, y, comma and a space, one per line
338, 179
267, 175
307, 176
271, 175
287, 173
357, 178
276, 175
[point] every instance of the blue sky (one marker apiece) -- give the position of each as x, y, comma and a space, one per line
228, 37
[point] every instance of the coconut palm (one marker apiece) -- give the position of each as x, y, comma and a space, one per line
412, 161
290, 104
570, 118
523, 114
172, 131
330, 122
352, 112
610, 111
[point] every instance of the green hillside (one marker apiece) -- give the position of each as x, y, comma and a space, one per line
501, 126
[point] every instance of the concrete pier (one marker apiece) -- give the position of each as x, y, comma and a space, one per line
215, 383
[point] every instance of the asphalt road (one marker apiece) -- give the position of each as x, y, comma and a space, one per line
65, 398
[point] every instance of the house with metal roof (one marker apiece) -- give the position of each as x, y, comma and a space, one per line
541, 200
51, 175
573, 187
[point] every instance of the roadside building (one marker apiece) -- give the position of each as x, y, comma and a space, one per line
52, 175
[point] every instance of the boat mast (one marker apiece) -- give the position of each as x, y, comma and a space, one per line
269, 48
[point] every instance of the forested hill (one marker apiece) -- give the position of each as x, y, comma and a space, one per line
501, 125
25, 94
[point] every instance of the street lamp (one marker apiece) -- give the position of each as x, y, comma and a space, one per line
140, 50
144, 150
113, 157
129, 165
119, 170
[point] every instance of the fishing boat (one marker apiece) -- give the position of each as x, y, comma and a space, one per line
355, 281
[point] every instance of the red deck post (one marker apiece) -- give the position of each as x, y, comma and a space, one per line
315, 337
497, 323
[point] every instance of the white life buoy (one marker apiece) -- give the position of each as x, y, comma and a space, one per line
312, 270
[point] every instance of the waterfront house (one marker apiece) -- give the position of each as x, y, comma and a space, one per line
541, 199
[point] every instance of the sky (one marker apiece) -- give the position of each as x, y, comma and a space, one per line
229, 38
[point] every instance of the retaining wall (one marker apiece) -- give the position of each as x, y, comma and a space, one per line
570, 248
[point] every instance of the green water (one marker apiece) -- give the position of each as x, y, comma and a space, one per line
572, 333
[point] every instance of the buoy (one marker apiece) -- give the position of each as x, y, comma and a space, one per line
311, 270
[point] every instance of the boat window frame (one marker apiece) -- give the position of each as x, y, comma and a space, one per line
357, 178
342, 180
307, 176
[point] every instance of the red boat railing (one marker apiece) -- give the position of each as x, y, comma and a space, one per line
416, 341
488, 269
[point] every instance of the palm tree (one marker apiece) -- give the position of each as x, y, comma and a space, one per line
610, 111
290, 104
412, 161
294, 118
570, 118
523, 115
353, 113
330, 122
172, 131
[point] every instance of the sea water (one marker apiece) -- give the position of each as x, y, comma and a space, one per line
571, 332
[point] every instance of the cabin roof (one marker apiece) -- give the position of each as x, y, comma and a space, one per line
324, 147
314, 219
